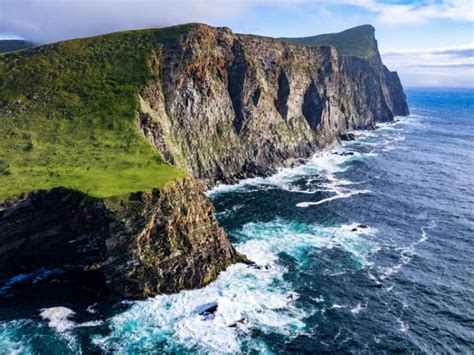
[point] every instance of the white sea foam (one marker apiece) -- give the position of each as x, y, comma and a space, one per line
328, 165
10, 342
58, 318
246, 298
337, 196
325, 164
357, 309
317, 299
403, 327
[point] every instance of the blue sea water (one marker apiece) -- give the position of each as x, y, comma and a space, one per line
367, 248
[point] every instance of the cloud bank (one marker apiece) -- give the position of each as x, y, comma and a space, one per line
52, 20
445, 67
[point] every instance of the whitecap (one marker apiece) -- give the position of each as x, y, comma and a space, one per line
337, 306
325, 164
319, 299
403, 327
357, 309
247, 298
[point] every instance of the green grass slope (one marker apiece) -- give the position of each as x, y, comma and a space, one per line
357, 42
68, 116
10, 45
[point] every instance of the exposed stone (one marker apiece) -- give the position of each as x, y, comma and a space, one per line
348, 136
238, 106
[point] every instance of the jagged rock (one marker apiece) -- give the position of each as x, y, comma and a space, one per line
343, 154
139, 245
237, 322
348, 136
207, 310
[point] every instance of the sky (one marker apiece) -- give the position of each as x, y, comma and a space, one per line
429, 42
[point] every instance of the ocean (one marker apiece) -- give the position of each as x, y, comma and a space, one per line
367, 248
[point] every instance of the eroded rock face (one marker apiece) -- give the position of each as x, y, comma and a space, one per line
225, 106
142, 244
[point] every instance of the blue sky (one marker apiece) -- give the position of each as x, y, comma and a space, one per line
430, 42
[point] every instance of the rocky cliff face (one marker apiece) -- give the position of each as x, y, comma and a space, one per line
138, 245
226, 106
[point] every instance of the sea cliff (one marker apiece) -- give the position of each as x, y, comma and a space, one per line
109, 143
225, 106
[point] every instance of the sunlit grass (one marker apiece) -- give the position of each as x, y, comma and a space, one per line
68, 116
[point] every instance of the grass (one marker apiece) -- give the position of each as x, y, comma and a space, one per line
356, 42
68, 116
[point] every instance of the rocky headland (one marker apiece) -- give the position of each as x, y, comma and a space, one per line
216, 105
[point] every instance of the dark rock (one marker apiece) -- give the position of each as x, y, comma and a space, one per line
362, 226
347, 136
343, 154
237, 322
354, 230
207, 310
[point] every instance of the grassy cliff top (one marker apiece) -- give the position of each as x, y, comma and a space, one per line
357, 42
68, 116
10, 45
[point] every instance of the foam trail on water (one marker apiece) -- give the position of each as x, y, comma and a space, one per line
338, 195
406, 255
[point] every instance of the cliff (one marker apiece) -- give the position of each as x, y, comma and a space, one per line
108, 130
225, 106
137, 245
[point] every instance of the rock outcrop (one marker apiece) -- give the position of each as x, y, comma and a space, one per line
225, 106
139, 245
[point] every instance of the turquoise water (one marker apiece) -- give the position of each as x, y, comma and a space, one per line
366, 248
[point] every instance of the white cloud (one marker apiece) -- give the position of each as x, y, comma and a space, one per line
448, 66
50, 20
53, 20
416, 12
